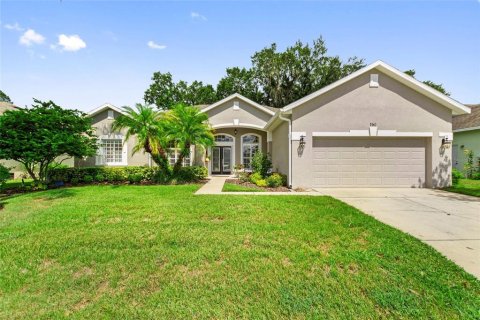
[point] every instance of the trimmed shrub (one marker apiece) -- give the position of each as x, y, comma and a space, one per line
125, 174
254, 177
261, 183
476, 176
244, 176
261, 164
135, 178
191, 174
456, 176
274, 181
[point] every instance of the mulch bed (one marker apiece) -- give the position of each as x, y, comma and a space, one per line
252, 185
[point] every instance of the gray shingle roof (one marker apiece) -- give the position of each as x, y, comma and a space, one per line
465, 121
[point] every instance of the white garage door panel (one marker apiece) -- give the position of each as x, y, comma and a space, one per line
368, 162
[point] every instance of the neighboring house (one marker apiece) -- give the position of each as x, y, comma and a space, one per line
466, 135
15, 167
377, 127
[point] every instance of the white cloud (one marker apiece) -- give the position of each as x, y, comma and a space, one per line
154, 45
14, 26
70, 43
198, 16
31, 37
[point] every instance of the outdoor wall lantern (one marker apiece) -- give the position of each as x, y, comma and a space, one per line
446, 142
302, 141
235, 132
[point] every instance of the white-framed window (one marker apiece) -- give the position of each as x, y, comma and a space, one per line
110, 114
250, 144
174, 153
112, 151
223, 138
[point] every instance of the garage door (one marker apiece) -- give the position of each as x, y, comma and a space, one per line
368, 162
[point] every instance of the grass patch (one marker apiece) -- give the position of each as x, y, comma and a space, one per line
16, 183
162, 252
233, 187
466, 186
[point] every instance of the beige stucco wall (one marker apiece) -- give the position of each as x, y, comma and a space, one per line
103, 127
279, 151
469, 140
247, 114
392, 106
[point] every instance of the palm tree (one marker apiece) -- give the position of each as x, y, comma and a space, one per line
146, 124
187, 126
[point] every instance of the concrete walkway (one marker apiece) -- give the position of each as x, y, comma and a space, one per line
447, 221
214, 185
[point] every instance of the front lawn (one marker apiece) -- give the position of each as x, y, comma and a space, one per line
466, 186
162, 252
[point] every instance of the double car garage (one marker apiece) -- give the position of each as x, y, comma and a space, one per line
369, 162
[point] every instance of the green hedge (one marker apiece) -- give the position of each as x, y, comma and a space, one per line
125, 174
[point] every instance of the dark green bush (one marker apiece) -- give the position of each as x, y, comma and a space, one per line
135, 178
124, 174
456, 176
274, 181
191, 174
4, 174
261, 164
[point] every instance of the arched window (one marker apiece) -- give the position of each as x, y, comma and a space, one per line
250, 145
223, 138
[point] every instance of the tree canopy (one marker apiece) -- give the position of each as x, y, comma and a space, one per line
165, 93
38, 135
276, 78
4, 97
436, 86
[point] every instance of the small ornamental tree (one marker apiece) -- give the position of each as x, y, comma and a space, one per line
38, 135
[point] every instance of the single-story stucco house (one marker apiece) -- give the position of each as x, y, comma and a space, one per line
466, 135
15, 167
377, 127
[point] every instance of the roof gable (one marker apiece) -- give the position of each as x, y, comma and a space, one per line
239, 96
456, 107
104, 107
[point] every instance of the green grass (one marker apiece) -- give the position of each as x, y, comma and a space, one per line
232, 187
15, 183
162, 252
466, 186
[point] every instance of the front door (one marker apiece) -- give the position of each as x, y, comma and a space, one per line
221, 160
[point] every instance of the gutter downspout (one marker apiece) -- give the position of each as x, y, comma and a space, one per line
289, 148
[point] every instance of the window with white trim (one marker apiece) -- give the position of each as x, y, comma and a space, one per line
174, 154
223, 138
110, 152
250, 145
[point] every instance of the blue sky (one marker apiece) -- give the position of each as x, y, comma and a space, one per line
83, 54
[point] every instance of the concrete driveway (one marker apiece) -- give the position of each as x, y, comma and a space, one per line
449, 222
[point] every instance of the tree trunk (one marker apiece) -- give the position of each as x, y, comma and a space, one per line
181, 156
